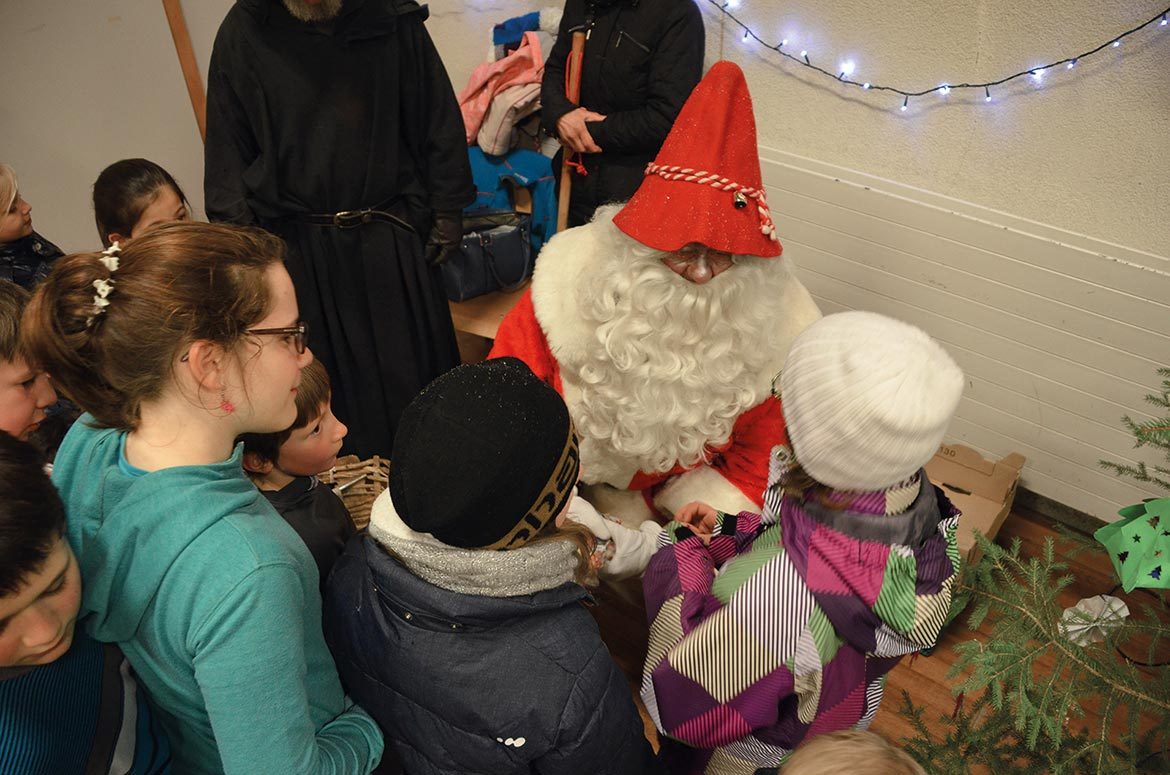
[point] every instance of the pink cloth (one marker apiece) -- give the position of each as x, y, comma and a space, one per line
524, 65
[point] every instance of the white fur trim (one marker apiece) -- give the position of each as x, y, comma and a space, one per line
563, 265
706, 485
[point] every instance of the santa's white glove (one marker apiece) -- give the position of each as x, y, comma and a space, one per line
624, 551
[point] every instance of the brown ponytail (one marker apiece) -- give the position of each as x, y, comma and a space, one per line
177, 284
582, 541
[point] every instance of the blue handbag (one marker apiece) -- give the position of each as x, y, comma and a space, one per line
496, 254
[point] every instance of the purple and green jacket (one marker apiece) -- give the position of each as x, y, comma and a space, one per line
786, 624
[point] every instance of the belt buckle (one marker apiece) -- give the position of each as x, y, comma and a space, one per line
350, 219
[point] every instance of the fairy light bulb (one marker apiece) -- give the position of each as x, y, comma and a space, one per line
987, 94
1038, 74
1072, 64
944, 90
847, 68
905, 103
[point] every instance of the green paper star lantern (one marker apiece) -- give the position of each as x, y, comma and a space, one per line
1139, 544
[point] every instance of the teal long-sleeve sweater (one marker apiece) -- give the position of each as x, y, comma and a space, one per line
214, 601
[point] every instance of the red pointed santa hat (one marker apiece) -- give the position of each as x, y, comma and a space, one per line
705, 186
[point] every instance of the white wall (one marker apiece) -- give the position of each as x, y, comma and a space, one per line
86, 84
1041, 215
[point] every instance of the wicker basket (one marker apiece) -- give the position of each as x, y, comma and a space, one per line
358, 483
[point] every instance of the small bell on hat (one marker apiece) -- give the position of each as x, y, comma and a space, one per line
705, 185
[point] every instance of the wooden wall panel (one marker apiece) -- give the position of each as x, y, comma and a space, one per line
1059, 334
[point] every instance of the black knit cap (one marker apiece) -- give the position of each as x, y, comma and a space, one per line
485, 456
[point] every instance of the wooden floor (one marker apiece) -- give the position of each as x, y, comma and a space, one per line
624, 630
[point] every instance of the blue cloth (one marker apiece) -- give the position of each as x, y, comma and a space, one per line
510, 31
69, 717
27, 261
524, 168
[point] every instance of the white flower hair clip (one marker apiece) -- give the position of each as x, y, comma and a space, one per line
103, 287
109, 257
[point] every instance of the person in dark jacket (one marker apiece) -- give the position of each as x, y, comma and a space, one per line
332, 124
284, 467
642, 59
457, 621
25, 256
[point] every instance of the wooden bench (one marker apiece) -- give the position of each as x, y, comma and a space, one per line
477, 321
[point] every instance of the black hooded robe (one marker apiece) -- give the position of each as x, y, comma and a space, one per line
320, 118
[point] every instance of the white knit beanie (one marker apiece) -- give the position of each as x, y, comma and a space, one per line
866, 399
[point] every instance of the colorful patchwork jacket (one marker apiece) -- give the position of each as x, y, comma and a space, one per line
786, 624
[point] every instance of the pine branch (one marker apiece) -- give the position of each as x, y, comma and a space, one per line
1027, 680
1153, 433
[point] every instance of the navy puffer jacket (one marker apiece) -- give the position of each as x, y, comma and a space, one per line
468, 684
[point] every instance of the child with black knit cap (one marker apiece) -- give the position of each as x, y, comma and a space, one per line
457, 621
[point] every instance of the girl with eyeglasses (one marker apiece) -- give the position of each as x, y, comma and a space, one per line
174, 346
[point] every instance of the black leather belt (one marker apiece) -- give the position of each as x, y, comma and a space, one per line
351, 219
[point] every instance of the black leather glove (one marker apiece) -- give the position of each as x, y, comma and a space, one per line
446, 236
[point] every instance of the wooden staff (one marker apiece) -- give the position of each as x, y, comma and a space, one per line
178, 24
573, 92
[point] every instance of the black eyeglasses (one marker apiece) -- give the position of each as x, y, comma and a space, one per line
299, 333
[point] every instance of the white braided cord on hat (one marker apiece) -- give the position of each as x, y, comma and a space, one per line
702, 177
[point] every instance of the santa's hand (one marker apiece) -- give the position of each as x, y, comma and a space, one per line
699, 517
573, 132
582, 512
626, 551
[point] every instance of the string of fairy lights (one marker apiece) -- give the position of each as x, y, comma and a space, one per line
844, 70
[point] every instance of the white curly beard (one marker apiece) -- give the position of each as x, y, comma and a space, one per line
671, 365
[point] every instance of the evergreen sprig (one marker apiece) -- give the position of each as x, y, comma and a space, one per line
1028, 685
1152, 433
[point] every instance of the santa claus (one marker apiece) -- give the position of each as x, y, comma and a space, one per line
665, 320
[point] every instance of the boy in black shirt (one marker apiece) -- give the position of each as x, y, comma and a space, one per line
284, 466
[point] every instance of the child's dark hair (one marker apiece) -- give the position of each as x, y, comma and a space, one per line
312, 393
32, 518
123, 190
177, 284
13, 300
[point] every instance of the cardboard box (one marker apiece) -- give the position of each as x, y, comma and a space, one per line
982, 489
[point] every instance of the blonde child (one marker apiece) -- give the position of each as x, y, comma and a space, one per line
25, 256
284, 466
850, 753
770, 629
174, 346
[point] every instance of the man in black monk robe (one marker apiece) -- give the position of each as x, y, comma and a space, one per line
332, 123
